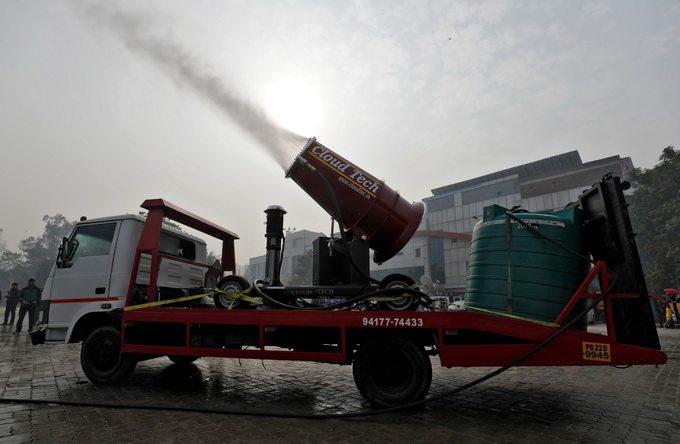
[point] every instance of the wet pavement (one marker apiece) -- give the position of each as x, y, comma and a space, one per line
541, 404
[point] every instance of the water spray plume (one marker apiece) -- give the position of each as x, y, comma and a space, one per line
176, 61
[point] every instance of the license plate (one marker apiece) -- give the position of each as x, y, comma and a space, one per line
597, 351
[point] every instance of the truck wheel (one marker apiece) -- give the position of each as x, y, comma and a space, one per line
182, 360
101, 359
392, 371
407, 301
231, 283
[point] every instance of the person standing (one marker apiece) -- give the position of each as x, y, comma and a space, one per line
29, 297
672, 308
12, 300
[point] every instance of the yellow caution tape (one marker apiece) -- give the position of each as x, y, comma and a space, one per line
168, 301
393, 298
233, 295
241, 295
236, 295
498, 313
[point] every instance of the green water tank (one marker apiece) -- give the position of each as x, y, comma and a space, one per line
515, 271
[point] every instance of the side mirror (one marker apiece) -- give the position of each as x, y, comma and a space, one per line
61, 253
72, 246
67, 250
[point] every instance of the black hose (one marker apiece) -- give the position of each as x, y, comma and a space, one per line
358, 414
345, 303
341, 224
564, 327
283, 249
554, 242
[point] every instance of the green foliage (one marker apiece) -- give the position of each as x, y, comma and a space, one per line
302, 269
655, 212
9, 260
169, 223
212, 257
36, 255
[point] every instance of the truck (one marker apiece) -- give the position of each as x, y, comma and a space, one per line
92, 273
132, 289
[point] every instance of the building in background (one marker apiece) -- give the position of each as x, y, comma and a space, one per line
298, 244
439, 250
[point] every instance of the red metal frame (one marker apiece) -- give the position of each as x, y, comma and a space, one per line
158, 209
600, 272
515, 336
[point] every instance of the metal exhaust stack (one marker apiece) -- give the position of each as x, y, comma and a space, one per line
368, 208
274, 235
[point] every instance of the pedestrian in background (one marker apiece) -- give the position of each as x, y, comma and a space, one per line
672, 308
29, 297
11, 303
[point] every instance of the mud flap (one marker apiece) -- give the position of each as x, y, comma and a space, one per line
38, 336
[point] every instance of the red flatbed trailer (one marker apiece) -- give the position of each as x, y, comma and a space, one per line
460, 339
566, 350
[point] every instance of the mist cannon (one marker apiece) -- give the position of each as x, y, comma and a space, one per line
366, 207
370, 215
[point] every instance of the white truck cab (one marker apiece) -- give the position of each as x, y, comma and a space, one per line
95, 263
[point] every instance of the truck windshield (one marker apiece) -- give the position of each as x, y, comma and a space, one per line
94, 240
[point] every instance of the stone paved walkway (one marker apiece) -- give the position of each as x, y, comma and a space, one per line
550, 404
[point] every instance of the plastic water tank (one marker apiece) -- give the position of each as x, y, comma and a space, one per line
513, 270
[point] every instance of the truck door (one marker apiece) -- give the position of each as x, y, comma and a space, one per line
86, 276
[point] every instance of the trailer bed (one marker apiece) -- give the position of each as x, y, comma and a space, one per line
460, 339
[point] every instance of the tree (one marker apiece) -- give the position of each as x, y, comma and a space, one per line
11, 269
212, 257
167, 223
302, 269
36, 254
655, 212
9, 260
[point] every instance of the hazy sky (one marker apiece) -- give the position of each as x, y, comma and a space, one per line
421, 94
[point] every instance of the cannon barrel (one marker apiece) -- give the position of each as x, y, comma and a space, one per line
368, 208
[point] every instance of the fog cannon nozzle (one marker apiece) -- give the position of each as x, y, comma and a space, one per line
368, 208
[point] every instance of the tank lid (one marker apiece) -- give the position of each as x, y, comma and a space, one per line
275, 208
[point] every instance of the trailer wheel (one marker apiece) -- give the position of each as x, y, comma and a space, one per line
101, 359
231, 283
407, 301
182, 360
392, 371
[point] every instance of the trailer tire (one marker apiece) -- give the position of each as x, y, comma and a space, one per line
392, 371
231, 283
101, 359
408, 302
182, 360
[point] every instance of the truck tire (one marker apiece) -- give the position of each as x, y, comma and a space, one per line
101, 359
391, 371
407, 302
182, 360
231, 283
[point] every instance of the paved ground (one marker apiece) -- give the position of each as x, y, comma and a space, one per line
605, 404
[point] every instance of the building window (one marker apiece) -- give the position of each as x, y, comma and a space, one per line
176, 246
417, 252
